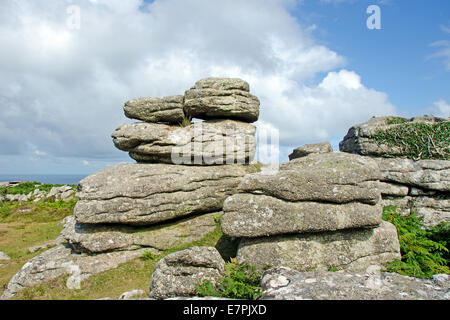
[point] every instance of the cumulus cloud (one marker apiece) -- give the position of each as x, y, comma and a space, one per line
440, 108
62, 89
443, 52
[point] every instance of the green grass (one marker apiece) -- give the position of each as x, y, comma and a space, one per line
424, 253
27, 187
395, 120
42, 211
135, 274
418, 140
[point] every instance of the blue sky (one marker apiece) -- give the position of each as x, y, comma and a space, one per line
314, 64
395, 59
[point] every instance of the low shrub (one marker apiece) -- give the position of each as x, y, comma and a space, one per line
417, 140
424, 253
241, 281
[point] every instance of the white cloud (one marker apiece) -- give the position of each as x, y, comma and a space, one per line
62, 90
443, 53
440, 108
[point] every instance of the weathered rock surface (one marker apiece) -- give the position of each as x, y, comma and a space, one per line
4, 256
287, 284
352, 250
209, 142
132, 295
331, 177
359, 138
248, 215
178, 273
221, 98
426, 174
167, 109
62, 260
303, 151
143, 194
94, 238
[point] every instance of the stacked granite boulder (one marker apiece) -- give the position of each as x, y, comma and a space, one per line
175, 192
318, 212
421, 186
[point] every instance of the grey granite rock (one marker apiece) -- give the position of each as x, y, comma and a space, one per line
248, 215
360, 138
303, 151
221, 98
287, 284
201, 143
178, 274
144, 194
330, 177
93, 238
167, 109
352, 250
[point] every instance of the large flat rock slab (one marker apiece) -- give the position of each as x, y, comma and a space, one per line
330, 177
94, 238
287, 284
352, 250
427, 174
144, 194
248, 215
166, 109
221, 98
201, 143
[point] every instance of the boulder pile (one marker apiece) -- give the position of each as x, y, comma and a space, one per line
171, 197
318, 212
421, 186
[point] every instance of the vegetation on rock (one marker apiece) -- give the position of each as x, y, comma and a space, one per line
424, 253
417, 140
241, 281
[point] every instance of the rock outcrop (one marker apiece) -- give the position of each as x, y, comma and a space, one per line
420, 186
317, 212
178, 273
352, 250
129, 209
360, 138
143, 194
307, 149
287, 284
216, 98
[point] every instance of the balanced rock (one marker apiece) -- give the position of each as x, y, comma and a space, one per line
352, 250
94, 238
287, 284
167, 109
303, 151
178, 273
330, 177
360, 138
209, 142
221, 98
143, 194
249, 215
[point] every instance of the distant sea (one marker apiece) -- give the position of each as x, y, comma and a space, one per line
44, 178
